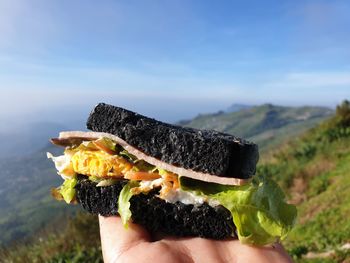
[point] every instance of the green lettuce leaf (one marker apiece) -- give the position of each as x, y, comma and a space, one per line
108, 143
124, 202
128, 155
142, 165
258, 209
104, 144
67, 189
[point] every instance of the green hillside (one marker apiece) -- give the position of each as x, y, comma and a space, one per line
267, 125
25, 201
315, 171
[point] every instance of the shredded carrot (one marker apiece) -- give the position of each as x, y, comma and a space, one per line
176, 184
142, 176
170, 177
173, 178
166, 187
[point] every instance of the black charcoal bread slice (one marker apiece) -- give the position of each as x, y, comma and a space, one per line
204, 151
157, 215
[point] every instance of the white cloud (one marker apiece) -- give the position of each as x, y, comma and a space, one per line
166, 80
312, 80
306, 88
37, 87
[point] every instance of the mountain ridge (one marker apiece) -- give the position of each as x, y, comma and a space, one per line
266, 122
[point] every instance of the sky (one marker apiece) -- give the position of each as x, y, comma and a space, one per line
170, 59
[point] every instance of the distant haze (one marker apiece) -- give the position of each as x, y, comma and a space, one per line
72, 108
75, 115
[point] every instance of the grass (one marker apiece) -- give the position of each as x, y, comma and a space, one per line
315, 172
323, 218
65, 240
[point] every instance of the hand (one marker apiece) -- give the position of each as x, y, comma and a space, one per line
135, 245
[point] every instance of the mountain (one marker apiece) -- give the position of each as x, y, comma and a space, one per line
26, 139
25, 201
267, 125
26, 176
237, 107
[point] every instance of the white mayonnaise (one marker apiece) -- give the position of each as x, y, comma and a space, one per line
188, 198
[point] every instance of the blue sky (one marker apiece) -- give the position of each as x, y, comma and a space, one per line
171, 59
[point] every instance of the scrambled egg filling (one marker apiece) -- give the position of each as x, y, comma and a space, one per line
96, 162
99, 164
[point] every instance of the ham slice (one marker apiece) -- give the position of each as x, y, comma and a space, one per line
65, 138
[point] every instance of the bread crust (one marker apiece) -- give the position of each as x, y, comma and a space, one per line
204, 151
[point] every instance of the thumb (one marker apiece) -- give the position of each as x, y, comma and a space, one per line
116, 240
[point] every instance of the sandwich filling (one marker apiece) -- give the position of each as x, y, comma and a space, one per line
106, 162
258, 207
74, 137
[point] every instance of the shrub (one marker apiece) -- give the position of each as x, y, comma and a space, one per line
298, 251
306, 151
343, 113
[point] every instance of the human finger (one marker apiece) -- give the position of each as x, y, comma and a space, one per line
116, 240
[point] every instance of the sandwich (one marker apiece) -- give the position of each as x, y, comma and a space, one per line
173, 180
